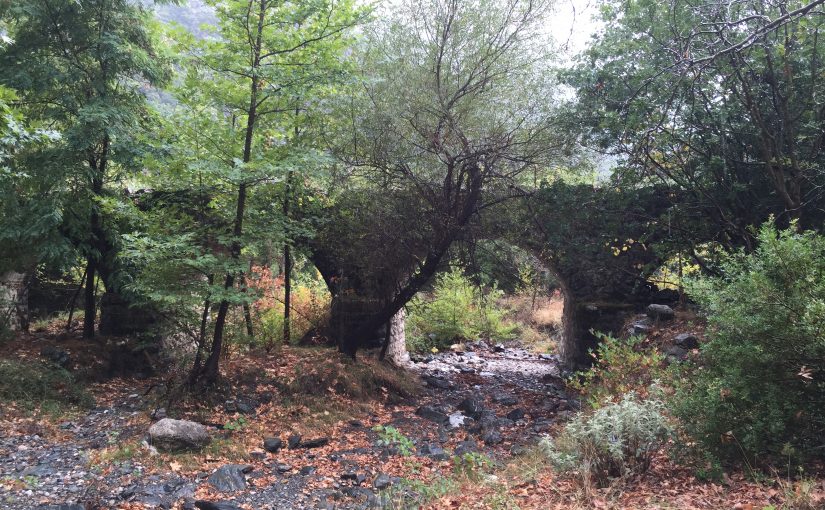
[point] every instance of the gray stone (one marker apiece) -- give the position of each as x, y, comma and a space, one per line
307, 470
516, 414
216, 505
472, 406
433, 414
505, 399
638, 329
660, 312
434, 452
457, 420
229, 478
676, 353
173, 435
466, 446
273, 444
491, 437
352, 476
57, 356
314, 443
293, 441
382, 481
438, 382
686, 341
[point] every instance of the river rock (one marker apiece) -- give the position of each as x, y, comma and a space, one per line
686, 341
273, 444
516, 414
174, 435
314, 443
472, 406
382, 481
660, 312
216, 505
433, 414
229, 478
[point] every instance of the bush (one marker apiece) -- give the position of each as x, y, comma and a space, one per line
457, 311
620, 367
309, 304
616, 441
38, 384
759, 388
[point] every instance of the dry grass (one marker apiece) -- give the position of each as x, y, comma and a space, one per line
539, 319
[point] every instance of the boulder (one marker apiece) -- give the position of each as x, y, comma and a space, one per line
660, 312
174, 435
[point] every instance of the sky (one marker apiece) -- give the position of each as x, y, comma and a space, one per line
572, 24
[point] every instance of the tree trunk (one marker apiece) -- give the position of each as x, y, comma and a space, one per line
14, 301
89, 306
452, 229
396, 348
287, 292
211, 367
97, 164
247, 310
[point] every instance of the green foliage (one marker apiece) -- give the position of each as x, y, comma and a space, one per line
471, 465
391, 436
759, 388
711, 128
34, 385
621, 366
617, 440
236, 425
77, 67
457, 311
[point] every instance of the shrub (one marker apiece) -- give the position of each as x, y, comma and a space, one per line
38, 384
391, 436
457, 310
760, 387
309, 304
615, 441
620, 367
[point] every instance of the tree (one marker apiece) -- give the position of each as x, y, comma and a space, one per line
253, 77
721, 103
457, 103
81, 65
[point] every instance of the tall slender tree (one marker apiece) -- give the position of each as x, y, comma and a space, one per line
266, 53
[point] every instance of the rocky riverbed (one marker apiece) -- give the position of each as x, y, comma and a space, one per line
493, 399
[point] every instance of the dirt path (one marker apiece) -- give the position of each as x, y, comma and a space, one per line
494, 400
